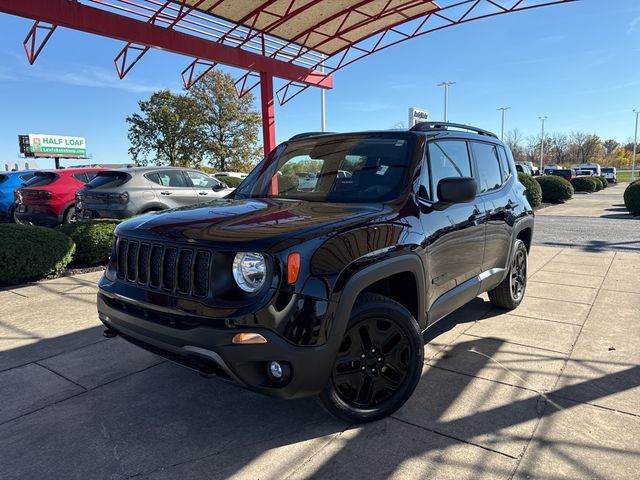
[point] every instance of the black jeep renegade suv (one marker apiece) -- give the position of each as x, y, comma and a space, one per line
318, 275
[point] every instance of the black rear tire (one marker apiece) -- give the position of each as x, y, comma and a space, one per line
70, 215
510, 292
379, 362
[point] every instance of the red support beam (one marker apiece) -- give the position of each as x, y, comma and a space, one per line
80, 17
268, 113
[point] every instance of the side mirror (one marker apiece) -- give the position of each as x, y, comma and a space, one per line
218, 186
456, 190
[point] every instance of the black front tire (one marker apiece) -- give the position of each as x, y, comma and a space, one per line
379, 362
510, 292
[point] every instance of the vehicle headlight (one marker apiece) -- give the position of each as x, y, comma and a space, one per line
249, 271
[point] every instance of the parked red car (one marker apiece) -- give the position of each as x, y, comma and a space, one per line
48, 198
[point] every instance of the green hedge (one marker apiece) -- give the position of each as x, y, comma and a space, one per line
585, 184
28, 252
534, 192
93, 239
233, 182
604, 181
632, 197
554, 189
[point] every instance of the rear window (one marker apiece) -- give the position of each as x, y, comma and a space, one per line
109, 180
26, 176
3, 178
607, 170
40, 179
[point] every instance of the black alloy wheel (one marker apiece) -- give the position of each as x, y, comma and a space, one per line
518, 274
378, 364
510, 292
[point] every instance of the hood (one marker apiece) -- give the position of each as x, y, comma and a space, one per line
261, 224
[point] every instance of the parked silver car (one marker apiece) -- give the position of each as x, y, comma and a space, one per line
126, 192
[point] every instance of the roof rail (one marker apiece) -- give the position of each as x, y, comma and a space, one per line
426, 126
309, 134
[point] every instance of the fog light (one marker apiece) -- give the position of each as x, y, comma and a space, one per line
276, 370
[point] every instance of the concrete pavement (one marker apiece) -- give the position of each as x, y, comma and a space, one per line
593, 222
550, 390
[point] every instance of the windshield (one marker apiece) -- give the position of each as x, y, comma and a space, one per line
40, 179
607, 170
108, 180
345, 169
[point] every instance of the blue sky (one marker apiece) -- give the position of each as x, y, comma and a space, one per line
577, 63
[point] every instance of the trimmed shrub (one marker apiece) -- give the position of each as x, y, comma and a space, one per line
233, 182
29, 252
534, 192
604, 181
554, 189
93, 239
632, 198
585, 184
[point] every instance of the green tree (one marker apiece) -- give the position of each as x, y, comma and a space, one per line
230, 124
169, 127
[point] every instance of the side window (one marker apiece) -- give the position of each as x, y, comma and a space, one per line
447, 158
171, 178
81, 177
504, 164
200, 180
489, 174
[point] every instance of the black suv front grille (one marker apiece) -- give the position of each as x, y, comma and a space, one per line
186, 271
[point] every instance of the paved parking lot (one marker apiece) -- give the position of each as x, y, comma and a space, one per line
594, 222
550, 390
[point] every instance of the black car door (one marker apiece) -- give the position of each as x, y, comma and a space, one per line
454, 236
494, 173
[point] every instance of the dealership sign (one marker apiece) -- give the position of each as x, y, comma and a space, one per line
417, 115
57, 146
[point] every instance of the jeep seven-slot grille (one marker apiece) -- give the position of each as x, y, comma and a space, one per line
182, 270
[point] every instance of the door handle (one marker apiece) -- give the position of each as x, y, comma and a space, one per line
203, 193
165, 193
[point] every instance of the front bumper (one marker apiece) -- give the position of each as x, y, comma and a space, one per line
205, 345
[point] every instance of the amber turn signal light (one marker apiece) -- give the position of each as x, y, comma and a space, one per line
293, 267
248, 338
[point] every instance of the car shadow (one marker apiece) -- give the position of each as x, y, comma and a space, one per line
165, 422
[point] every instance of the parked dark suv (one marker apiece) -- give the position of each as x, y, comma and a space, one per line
325, 291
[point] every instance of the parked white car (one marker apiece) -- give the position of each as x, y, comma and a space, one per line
611, 174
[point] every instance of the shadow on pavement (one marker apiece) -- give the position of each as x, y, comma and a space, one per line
165, 422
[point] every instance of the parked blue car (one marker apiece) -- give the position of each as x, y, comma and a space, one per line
9, 181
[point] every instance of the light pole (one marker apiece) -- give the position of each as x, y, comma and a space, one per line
446, 86
635, 148
504, 109
542, 145
322, 102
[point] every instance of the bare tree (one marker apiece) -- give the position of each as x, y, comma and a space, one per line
514, 139
610, 146
586, 147
559, 148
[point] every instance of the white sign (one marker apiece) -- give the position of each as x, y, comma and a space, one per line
43, 145
416, 115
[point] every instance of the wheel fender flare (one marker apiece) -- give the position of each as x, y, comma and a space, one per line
359, 281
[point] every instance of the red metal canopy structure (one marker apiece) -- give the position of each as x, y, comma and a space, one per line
303, 42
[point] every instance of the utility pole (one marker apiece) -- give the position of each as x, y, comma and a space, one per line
635, 148
542, 145
446, 86
504, 109
322, 102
